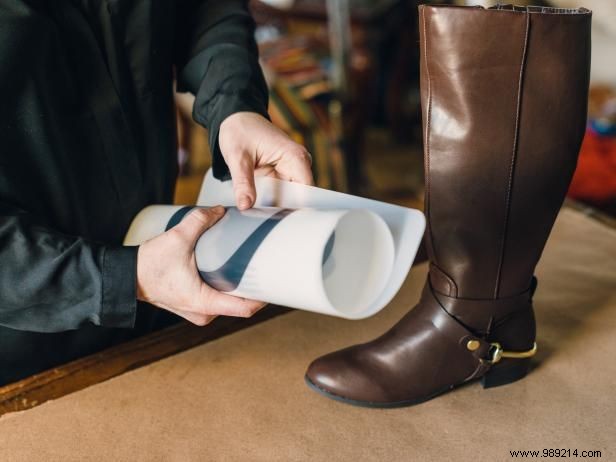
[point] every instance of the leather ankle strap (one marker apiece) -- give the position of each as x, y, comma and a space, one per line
467, 341
481, 315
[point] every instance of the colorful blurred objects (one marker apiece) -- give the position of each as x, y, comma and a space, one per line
595, 177
594, 181
301, 61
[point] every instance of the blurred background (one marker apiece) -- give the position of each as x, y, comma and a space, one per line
344, 81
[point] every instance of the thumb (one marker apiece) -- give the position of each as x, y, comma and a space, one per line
243, 178
198, 221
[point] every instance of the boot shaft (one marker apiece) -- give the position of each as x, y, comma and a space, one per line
504, 94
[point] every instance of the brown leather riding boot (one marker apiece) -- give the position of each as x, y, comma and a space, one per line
504, 93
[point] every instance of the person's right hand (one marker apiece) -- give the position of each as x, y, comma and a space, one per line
167, 274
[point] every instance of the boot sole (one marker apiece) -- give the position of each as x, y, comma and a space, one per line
500, 375
372, 404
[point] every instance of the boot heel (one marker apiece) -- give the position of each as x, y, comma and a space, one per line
507, 371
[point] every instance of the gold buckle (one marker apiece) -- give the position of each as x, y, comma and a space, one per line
498, 353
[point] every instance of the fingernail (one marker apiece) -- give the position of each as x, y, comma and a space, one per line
218, 210
244, 202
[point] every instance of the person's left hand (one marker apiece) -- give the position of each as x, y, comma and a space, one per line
251, 146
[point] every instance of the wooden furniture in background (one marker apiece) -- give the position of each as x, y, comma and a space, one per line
381, 66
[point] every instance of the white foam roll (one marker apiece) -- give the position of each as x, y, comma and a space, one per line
151, 222
336, 262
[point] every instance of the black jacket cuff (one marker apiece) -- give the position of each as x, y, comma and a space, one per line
119, 293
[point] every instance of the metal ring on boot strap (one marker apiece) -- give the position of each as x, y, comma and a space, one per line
451, 327
497, 353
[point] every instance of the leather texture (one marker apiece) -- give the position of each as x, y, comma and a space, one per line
504, 93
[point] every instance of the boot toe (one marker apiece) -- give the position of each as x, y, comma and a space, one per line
340, 377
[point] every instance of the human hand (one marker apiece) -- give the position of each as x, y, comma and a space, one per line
251, 146
167, 274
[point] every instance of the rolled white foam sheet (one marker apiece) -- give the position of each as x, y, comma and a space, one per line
335, 262
405, 224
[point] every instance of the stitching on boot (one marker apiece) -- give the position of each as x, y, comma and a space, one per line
427, 133
513, 157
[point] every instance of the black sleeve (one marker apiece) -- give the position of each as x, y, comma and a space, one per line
217, 60
51, 282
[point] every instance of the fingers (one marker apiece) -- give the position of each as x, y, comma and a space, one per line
228, 305
196, 318
303, 171
242, 170
296, 166
198, 221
